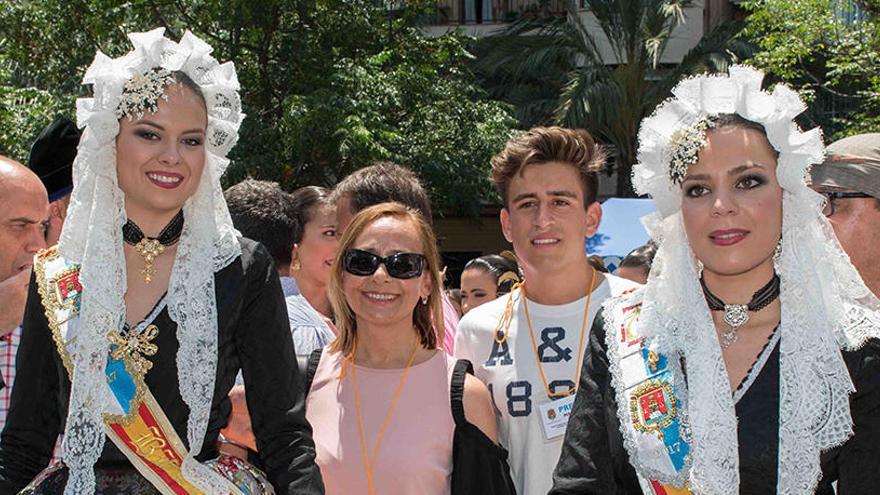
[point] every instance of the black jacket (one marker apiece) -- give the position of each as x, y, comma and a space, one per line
594, 461
254, 336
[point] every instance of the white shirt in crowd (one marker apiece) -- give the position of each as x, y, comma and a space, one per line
511, 372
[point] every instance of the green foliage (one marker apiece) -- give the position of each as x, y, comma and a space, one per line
403, 104
328, 85
829, 50
553, 70
23, 113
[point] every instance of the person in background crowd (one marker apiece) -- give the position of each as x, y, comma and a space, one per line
527, 346
24, 210
849, 178
636, 265
598, 263
261, 211
138, 322
379, 396
264, 212
486, 278
315, 239
379, 183
454, 296
51, 158
299, 230
749, 363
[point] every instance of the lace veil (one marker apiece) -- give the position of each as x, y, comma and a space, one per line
825, 305
92, 236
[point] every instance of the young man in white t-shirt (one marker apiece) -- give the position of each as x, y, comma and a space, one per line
547, 181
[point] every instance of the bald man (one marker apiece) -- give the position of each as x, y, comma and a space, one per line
24, 213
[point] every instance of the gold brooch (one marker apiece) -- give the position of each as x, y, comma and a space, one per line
133, 347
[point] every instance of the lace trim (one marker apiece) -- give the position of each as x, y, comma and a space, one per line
823, 311
611, 308
209, 243
151, 316
51, 305
757, 366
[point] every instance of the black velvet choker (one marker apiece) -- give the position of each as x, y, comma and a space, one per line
151, 247
737, 315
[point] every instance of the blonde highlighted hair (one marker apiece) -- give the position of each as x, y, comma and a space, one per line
427, 318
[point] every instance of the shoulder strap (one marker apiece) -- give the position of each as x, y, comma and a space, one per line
463, 367
314, 359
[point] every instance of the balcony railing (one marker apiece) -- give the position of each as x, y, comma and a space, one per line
451, 12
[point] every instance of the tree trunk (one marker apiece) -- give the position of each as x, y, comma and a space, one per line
626, 157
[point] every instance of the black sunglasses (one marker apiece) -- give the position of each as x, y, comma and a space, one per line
831, 196
401, 265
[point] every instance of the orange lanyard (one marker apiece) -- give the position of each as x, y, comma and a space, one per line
370, 463
505, 322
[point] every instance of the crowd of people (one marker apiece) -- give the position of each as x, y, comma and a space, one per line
255, 341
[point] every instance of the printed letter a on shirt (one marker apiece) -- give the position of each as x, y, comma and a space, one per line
500, 355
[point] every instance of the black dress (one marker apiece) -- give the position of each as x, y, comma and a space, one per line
253, 335
594, 461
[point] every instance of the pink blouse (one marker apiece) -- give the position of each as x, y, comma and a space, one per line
415, 456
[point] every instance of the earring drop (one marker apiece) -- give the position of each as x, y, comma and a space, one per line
777, 255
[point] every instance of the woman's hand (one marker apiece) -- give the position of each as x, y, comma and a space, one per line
238, 432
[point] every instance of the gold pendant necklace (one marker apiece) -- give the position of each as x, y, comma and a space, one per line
149, 248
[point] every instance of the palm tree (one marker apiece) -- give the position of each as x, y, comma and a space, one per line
551, 68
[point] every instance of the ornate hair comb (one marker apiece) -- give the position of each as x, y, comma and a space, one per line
684, 146
142, 92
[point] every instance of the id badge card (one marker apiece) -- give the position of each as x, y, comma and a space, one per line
554, 416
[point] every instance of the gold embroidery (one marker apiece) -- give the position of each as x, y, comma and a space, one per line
149, 442
652, 406
653, 361
51, 304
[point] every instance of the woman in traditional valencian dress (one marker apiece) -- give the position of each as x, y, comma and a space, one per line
749, 363
138, 322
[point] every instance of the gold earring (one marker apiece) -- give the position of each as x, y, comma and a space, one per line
295, 265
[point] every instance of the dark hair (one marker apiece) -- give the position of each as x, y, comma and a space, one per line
641, 257
182, 79
541, 145
597, 262
302, 203
736, 120
504, 270
383, 182
262, 211
187, 82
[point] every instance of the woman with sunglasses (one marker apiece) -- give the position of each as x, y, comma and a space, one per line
139, 321
387, 406
750, 361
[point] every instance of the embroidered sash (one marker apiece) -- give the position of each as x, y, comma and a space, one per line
137, 425
651, 397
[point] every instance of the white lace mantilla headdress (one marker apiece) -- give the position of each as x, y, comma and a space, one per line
92, 236
825, 305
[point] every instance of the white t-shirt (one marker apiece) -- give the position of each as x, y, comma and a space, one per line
512, 375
